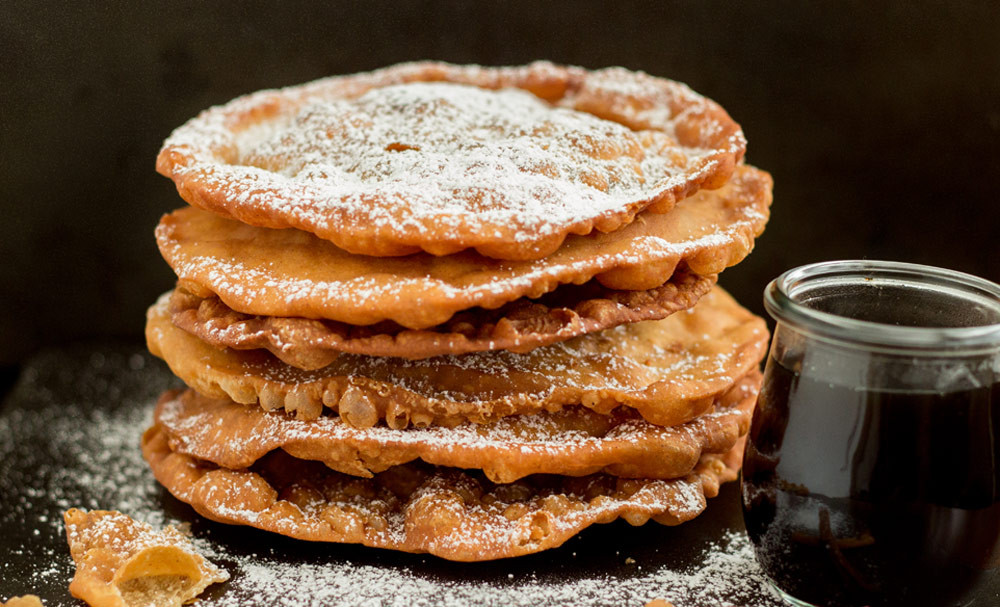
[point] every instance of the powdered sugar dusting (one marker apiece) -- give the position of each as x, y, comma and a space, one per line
725, 574
445, 151
442, 158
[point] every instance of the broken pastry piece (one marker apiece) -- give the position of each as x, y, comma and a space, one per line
121, 562
28, 600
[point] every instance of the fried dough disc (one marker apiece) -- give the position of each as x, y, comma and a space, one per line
452, 513
289, 273
519, 326
573, 442
440, 158
669, 370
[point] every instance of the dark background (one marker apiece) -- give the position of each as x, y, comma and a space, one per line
879, 121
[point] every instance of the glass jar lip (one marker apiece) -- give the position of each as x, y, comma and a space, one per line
781, 304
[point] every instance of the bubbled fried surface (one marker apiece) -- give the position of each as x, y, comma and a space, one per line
121, 562
440, 158
290, 273
519, 326
573, 442
669, 370
454, 514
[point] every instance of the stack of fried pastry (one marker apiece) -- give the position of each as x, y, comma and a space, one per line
453, 309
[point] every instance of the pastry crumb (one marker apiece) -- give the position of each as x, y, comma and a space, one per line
28, 600
121, 562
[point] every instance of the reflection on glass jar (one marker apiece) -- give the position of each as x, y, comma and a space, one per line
872, 470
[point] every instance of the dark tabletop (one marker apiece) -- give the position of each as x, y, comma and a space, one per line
69, 434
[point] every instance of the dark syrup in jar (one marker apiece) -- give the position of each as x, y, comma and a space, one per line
859, 497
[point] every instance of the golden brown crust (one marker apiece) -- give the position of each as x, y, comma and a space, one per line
454, 514
121, 562
573, 442
668, 370
519, 326
289, 273
637, 140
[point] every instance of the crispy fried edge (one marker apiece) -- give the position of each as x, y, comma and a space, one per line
363, 401
518, 327
628, 268
244, 497
656, 452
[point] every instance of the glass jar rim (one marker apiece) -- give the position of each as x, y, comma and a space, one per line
781, 303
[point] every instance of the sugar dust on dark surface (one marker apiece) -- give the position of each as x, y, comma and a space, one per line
859, 497
69, 437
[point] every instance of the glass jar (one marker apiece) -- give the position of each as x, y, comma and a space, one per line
872, 469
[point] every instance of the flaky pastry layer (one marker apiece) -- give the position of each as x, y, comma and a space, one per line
573, 442
290, 273
454, 514
520, 326
669, 370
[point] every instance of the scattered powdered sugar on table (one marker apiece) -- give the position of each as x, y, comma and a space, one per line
69, 436
96, 448
727, 576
